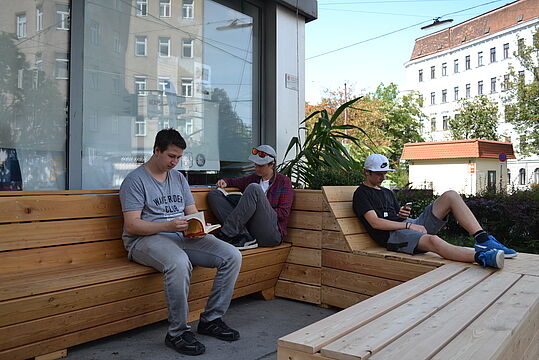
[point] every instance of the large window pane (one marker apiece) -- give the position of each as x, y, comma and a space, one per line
33, 94
192, 71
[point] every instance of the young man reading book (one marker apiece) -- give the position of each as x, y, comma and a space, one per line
390, 225
260, 215
155, 198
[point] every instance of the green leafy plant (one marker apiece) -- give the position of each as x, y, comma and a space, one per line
323, 147
334, 177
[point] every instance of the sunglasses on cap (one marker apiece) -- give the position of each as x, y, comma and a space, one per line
262, 154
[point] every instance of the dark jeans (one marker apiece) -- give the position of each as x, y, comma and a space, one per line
253, 213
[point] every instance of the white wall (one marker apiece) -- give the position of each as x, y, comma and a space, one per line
290, 59
443, 176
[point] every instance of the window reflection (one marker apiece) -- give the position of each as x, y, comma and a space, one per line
34, 67
186, 65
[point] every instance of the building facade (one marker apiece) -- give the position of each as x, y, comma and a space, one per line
470, 59
86, 85
466, 166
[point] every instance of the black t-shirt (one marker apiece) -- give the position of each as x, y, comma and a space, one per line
380, 200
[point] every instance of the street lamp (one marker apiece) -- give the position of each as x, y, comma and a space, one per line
437, 22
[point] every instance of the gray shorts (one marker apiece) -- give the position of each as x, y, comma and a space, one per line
406, 240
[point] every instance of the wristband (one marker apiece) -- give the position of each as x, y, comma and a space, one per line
408, 225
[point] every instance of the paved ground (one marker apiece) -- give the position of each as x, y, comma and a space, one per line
260, 324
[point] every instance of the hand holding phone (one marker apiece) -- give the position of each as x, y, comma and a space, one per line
408, 205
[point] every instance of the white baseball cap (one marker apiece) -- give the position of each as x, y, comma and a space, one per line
377, 162
262, 155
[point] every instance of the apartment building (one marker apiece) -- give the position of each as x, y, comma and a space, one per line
470, 59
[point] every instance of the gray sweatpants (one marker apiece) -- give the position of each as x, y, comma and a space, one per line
252, 213
174, 256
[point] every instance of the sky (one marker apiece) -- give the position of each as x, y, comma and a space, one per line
376, 58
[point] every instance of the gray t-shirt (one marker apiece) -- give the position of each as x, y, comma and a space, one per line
158, 201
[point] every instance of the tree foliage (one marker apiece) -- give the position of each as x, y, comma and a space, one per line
477, 118
522, 107
389, 120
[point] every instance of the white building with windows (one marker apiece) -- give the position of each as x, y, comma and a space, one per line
470, 59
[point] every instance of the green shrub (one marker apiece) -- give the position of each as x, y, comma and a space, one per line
335, 177
512, 218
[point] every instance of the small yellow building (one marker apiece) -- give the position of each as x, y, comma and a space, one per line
466, 166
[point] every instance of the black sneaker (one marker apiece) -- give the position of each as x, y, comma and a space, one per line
218, 329
242, 241
185, 343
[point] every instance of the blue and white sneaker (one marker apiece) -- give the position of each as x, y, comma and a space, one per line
493, 258
493, 244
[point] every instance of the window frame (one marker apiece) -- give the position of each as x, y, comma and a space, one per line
506, 50
492, 85
444, 96
39, 19
65, 18
160, 47
433, 72
467, 62
492, 55
480, 87
188, 10
21, 21
479, 58
188, 44
165, 8
187, 87
456, 66
142, 8
145, 44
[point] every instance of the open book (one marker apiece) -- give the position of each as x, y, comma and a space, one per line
197, 225
233, 197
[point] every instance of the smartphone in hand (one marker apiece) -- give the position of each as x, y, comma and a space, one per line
408, 205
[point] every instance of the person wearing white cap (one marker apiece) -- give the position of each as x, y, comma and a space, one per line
260, 216
390, 225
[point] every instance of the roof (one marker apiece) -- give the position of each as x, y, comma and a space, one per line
457, 149
482, 25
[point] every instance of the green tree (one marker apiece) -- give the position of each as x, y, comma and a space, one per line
477, 118
522, 107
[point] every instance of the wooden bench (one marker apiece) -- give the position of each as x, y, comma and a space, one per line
415, 307
65, 278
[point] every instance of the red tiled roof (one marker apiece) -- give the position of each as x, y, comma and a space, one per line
485, 24
457, 149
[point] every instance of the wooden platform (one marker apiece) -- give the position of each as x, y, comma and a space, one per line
453, 312
414, 307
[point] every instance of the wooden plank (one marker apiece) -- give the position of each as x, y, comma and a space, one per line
438, 330
53, 356
361, 242
36, 208
532, 352
305, 220
340, 298
526, 264
511, 318
350, 226
302, 274
305, 256
310, 200
297, 291
55, 192
83, 336
362, 264
49, 257
343, 209
312, 338
429, 258
289, 354
63, 300
334, 240
329, 222
372, 337
359, 283
50, 233
305, 238
338, 193
40, 329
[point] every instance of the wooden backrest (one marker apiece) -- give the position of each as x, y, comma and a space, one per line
44, 229
339, 199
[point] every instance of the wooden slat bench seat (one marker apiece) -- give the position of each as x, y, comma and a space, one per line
453, 312
65, 278
399, 306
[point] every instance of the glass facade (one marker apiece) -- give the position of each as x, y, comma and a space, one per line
147, 65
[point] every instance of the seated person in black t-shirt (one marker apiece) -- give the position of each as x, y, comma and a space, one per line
390, 226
